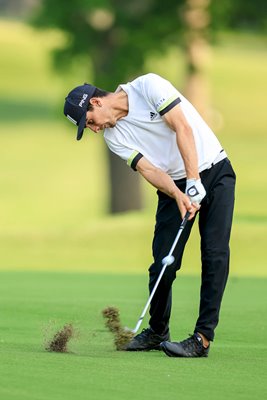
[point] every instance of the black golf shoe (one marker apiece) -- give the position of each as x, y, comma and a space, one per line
191, 347
147, 340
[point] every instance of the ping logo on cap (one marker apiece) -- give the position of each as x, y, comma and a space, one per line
83, 99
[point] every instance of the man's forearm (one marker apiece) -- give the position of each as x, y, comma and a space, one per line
187, 147
158, 178
165, 184
161, 181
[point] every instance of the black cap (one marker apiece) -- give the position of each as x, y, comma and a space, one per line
76, 104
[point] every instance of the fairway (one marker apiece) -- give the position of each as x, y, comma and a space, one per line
33, 302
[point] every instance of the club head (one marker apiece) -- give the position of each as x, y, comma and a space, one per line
126, 329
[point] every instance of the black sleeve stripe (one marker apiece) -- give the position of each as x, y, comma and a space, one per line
135, 161
170, 106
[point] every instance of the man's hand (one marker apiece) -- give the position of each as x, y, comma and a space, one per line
165, 184
195, 191
185, 205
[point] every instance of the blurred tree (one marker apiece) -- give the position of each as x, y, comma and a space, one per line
239, 15
201, 19
196, 19
17, 8
117, 36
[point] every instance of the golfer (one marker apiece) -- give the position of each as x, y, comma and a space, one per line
157, 131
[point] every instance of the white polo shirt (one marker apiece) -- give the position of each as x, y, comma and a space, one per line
143, 132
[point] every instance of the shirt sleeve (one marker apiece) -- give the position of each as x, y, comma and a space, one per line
160, 93
133, 160
129, 155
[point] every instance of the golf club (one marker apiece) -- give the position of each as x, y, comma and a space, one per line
168, 260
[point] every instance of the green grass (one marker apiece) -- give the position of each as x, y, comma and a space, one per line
235, 369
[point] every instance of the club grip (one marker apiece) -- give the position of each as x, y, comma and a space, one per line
184, 221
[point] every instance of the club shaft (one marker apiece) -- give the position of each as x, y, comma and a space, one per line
139, 322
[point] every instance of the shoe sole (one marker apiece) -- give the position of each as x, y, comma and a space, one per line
169, 354
157, 348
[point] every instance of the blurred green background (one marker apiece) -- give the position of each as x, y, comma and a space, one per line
64, 256
54, 190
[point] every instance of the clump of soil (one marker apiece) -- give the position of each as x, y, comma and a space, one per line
59, 342
122, 336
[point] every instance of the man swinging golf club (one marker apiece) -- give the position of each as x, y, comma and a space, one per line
156, 130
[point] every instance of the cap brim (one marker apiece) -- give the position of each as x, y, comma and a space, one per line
81, 126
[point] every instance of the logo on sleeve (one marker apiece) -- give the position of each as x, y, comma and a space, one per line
160, 102
152, 115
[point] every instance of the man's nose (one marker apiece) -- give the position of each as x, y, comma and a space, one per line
94, 128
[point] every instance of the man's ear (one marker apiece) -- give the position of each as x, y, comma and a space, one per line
96, 101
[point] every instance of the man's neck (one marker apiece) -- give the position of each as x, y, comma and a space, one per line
120, 105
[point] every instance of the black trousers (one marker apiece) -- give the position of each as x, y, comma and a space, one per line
215, 221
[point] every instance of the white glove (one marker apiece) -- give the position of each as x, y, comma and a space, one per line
195, 190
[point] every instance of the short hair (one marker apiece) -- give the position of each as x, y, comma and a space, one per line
97, 93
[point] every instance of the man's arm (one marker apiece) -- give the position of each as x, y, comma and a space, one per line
165, 184
176, 120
